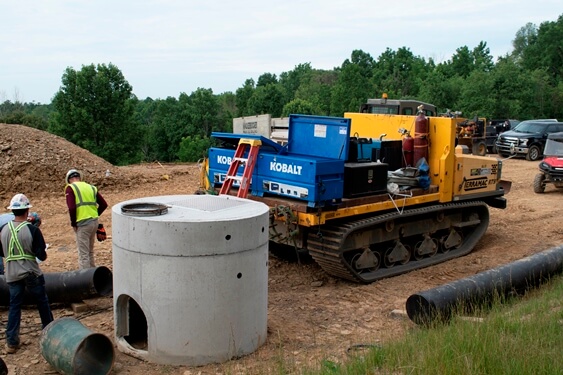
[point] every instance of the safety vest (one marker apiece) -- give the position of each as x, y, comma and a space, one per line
85, 198
15, 249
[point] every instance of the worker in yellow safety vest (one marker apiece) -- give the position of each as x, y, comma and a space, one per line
85, 205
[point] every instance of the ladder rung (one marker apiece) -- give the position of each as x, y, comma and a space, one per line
248, 163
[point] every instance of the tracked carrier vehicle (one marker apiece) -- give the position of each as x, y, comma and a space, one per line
344, 190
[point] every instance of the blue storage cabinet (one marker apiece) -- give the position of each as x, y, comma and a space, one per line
309, 168
313, 168
319, 181
318, 136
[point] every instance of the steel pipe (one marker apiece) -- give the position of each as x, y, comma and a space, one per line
73, 349
68, 287
441, 303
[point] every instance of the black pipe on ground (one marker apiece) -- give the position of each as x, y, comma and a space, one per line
439, 304
68, 287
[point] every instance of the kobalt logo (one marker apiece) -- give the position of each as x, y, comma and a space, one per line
222, 159
286, 168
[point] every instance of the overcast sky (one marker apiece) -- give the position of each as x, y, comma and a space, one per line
165, 47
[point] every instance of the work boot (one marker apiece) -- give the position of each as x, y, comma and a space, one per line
11, 349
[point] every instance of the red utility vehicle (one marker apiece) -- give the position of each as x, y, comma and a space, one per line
551, 167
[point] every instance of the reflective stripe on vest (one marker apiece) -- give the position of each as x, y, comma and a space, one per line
15, 249
85, 198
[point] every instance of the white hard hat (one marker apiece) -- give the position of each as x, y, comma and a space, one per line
72, 173
19, 202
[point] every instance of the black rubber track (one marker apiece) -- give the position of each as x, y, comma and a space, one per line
325, 245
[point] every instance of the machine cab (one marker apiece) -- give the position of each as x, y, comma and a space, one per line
387, 106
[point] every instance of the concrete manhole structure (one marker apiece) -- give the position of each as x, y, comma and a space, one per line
190, 278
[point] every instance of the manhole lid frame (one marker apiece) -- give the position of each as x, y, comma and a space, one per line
144, 209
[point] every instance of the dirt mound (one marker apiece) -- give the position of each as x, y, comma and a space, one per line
35, 162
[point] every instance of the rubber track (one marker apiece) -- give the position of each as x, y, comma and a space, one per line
325, 245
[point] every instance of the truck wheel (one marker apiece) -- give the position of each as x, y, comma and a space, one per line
534, 153
539, 183
479, 148
494, 149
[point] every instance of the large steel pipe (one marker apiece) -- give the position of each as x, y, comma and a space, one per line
68, 287
466, 294
73, 349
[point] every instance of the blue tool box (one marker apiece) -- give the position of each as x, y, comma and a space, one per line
310, 167
319, 181
318, 136
316, 180
313, 168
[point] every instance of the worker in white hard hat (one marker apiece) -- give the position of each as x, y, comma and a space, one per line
33, 218
85, 205
22, 244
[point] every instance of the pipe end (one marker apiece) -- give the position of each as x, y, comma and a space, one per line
103, 281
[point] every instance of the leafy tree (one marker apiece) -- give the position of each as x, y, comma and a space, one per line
266, 79
144, 116
294, 79
266, 100
193, 148
20, 117
543, 50
482, 58
144, 111
353, 85
243, 95
8, 107
177, 123
537, 95
31, 114
506, 90
538, 52
476, 99
157, 144
441, 91
399, 73
300, 106
94, 110
204, 109
525, 37
167, 122
462, 62
317, 90
226, 111
558, 100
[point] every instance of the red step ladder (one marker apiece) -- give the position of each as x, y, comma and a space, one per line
238, 160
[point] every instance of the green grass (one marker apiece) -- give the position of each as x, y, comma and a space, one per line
516, 336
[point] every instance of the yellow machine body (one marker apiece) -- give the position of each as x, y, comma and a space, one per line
367, 238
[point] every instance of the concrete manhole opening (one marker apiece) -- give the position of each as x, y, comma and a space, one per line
132, 323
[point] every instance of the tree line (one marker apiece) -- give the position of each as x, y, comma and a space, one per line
96, 108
